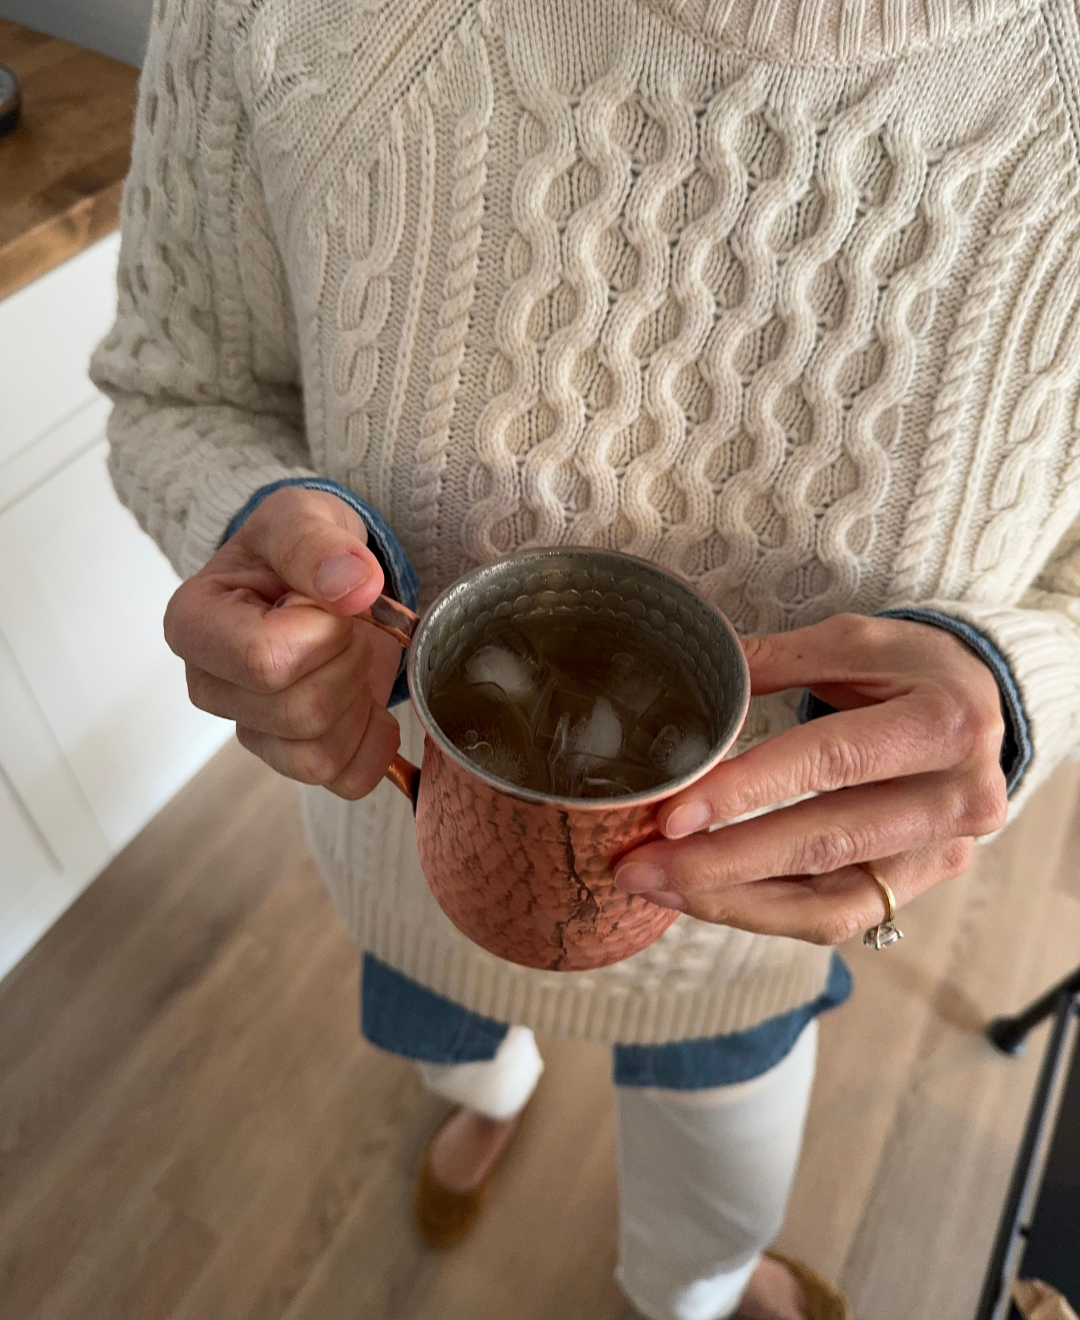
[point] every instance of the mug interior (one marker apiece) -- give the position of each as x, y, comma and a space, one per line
586, 585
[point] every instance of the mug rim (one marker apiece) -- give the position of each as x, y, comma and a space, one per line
627, 800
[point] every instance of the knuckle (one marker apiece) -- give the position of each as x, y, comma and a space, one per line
197, 688
988, 730
755, 648
829, 850
317, 763
309, 712
170, 624
860, 631
970, 726
941, 712
266, 666
835, 765
250, 741
954, 806
837, 927
957, 856
175, 624
367, 770
984, 807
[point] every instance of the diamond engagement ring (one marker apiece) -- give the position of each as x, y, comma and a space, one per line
886, 932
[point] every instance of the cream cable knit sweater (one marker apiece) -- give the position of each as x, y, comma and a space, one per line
784, 294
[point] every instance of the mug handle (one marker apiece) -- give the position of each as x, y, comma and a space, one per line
390, 616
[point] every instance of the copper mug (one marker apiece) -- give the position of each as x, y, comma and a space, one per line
528, 875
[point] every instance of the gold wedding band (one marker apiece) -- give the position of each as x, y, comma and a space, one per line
885, 932
886, 893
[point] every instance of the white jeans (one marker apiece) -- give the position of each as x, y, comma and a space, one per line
704, 1175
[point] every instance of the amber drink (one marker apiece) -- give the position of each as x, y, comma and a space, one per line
579, 708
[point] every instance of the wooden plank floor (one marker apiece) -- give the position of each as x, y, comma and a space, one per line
190, 1127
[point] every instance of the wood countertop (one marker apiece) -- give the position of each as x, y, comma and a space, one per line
62, 170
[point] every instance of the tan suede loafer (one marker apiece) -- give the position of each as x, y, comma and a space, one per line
442, 1216
823, 1301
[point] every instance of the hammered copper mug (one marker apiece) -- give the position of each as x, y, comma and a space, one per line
527, 875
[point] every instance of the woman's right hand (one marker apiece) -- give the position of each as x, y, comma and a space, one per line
265, 634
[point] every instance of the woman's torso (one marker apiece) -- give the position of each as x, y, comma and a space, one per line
773, 304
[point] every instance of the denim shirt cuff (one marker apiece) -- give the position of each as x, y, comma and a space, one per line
1016, 745
401, 581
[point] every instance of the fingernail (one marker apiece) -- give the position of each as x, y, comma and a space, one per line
639, 877
686, 819
339, 575
667, 899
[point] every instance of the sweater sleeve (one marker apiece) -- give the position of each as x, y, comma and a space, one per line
1039, 639
201, 363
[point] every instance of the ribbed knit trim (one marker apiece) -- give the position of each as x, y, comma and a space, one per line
1042, 650
586, 1012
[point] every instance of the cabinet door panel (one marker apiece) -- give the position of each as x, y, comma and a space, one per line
47, 333
47, 793
82, 615
31, 879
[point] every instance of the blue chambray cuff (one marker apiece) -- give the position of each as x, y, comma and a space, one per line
401, 580
1016, 745
400, 1015
702, 1063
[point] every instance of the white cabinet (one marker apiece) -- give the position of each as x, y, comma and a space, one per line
31, 881
96, 731
83, 621
50, 842
47, 333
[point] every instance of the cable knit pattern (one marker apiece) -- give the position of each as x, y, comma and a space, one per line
372, 234
781, 294
805, 31
469, 175
613, 332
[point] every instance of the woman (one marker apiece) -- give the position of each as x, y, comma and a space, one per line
783, 295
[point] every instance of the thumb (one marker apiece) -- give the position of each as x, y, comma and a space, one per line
317, 545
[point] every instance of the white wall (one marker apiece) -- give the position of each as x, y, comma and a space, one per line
113, 27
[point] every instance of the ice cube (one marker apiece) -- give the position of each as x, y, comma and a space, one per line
688, 755
676, 751
562, 764
588, 750
616, 778
568, 764
601, 734
483, 723
594, 787
497, 665
631, 683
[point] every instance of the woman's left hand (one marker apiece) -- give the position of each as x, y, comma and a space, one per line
915, 745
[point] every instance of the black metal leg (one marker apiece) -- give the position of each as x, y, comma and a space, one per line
1010, 1033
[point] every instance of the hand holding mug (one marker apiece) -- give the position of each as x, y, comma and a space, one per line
907, 774
306, 684
915, 746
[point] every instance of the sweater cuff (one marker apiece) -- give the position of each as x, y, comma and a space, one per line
401, 581
1017, 747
